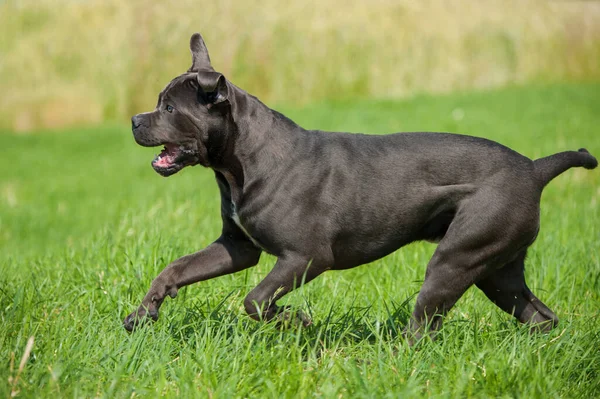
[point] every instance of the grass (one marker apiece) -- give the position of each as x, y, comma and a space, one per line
85, 225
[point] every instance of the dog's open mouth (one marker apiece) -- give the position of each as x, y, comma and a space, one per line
173, 158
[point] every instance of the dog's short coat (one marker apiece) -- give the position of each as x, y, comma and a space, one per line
320, 201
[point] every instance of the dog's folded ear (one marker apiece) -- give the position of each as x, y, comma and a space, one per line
213, 87
200, 57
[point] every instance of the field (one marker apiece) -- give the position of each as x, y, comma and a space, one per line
85, 224
68, 62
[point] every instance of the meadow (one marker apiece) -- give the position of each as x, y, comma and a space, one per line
72, 62
85, 225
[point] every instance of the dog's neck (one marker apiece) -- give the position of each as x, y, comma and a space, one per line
248, 149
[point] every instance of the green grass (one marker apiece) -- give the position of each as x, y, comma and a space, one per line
85, 225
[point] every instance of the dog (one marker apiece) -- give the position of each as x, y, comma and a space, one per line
323, 201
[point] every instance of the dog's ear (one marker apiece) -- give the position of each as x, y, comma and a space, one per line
213, 87
200, 57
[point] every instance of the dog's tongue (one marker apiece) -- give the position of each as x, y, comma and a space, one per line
164, 158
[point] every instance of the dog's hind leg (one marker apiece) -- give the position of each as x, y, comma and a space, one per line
506, 287
289, 272
446, 280
485, 233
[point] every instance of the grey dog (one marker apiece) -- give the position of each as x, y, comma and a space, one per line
329, 201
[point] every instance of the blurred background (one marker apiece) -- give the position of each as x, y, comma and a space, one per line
73, 62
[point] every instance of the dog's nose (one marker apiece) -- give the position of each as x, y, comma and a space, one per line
135, 122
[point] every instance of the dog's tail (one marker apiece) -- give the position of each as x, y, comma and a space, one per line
549, 167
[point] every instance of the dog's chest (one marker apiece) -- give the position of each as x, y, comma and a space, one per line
236, 218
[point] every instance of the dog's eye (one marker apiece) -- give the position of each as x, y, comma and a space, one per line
169, 108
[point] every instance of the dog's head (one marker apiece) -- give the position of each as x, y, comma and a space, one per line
192, 119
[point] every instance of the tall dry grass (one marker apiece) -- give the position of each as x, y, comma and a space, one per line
66, 62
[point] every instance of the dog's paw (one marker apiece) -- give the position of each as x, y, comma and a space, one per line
139, 318
415, 332
290, 318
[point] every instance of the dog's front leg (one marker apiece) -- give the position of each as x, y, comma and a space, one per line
226, 255
290, 271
